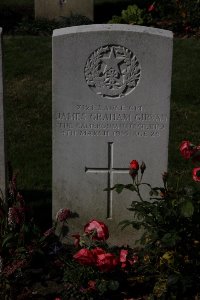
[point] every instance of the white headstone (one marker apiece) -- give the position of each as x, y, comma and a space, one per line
2, 150
111, 104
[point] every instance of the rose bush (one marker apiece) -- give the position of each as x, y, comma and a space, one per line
164, 266
169, 258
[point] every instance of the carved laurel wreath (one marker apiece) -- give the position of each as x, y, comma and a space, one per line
110, 83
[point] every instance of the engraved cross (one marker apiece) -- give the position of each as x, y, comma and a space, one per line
110, 171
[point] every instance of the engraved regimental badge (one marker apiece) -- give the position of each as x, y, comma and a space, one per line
112, 71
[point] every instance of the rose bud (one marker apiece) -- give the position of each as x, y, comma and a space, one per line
142, 167
133, 168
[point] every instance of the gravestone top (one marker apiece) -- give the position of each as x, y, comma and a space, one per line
113, 27
111, 104
2, 138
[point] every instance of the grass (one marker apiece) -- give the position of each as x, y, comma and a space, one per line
185, 101
27, 66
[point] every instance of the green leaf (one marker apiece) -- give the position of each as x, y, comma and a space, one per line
117, 187
7, 239
113, 285
102, 287
173, 279
130, 187
187, 209
170, 239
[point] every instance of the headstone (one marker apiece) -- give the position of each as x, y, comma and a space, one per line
111, 104
2, 150
53, 9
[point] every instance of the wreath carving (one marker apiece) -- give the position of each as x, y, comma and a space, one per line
112, 71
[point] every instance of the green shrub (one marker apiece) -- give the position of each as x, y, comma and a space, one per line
12, 12
132, 15
182, 13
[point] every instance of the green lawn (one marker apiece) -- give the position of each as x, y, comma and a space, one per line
27, 65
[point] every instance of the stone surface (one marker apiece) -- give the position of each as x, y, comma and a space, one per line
111, 104
2, 140
53, 9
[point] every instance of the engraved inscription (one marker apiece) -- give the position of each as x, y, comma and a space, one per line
111, 121
110, 171
112, 71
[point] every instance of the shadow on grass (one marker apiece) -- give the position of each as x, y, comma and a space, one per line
40, 205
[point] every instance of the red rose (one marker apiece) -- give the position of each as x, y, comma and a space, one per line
97, 229
84, 257
196, 174
97, 251
106, 262
187, 149
133, 167
151, 8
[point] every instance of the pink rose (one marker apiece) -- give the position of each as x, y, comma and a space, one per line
123, 257
187, 149
97, 229
196, 174
63, 214
106, 262
84, 257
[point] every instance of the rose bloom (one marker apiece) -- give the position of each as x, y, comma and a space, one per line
63, 214
84, 257
97, 251
98, 229
196, 174
151, 8
123, 257
187, 149
106, 262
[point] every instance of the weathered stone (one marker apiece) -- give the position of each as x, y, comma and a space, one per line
111, 104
